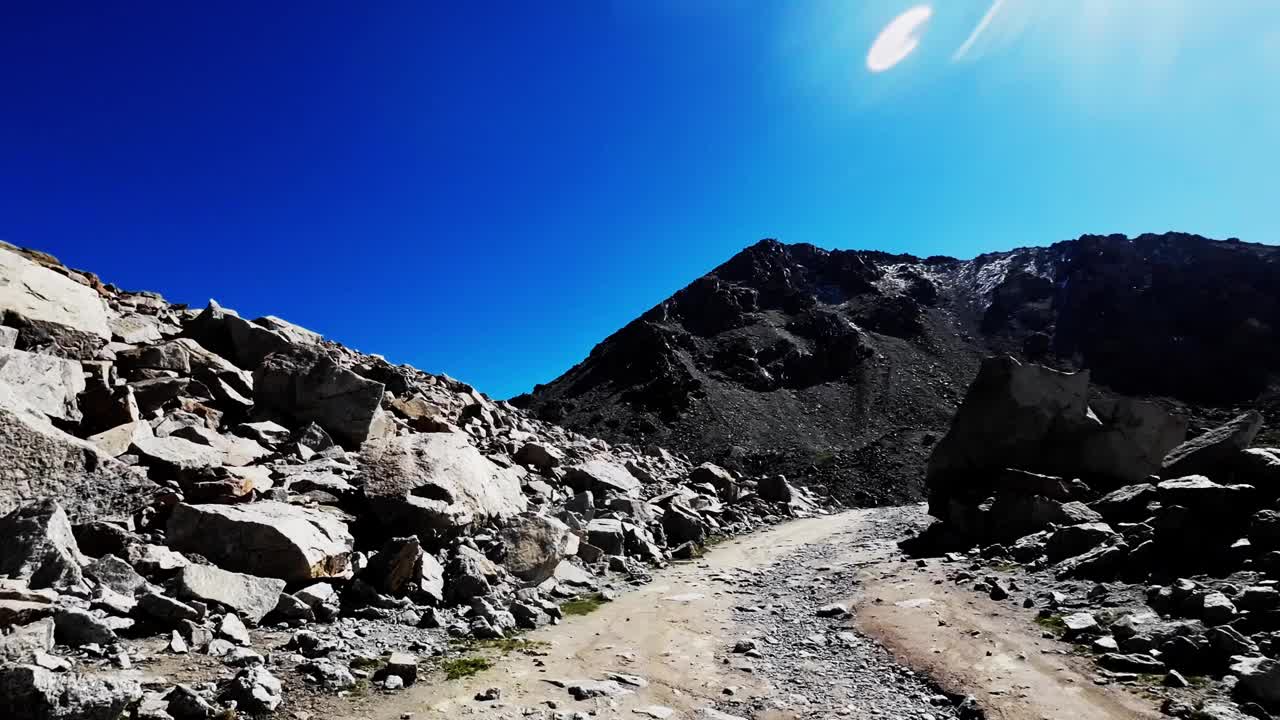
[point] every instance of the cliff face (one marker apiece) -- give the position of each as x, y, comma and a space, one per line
842, 368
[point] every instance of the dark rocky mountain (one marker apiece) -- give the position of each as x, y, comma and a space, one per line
843, 368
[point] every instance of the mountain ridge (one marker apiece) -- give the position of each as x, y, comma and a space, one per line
842, 367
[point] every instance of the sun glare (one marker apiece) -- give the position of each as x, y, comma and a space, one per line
898, 39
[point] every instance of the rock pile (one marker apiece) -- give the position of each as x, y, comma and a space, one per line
190, 475
1111, 492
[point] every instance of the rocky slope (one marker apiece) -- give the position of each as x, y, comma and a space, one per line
177, 486
842, 368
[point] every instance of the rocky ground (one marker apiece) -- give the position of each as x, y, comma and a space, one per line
263, 515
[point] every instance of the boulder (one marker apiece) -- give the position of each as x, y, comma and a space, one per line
1076, 539
308, 386
1126, 504
1132, 441
607, 535
539, 455
437, 483
775, 488
254, 690
40, 548
717, 477
681, 525
535, 546
470, 575
267, 539
111, 572
75, 627
26, 641
175, 455
1206, 496
42, 461
1259, 467
46, 383
1259, 678
250, 596
601, 476
401, 565
28, 692
50, 309
1215, 449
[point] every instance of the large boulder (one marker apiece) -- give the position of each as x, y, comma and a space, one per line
402, 567
245, 342
50, 309
601, 477
535, 546
1032, 418
39, 460
1009, 418
39, 547
436, 483
47, 384
1216, 449
268, 539
29, 692
308, 386
250, 596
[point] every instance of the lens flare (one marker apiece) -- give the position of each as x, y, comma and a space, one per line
898, 39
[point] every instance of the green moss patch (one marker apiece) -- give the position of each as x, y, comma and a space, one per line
459, 668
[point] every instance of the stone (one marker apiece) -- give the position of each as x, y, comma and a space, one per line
436, 483
1207, 497
175, 455
1135, 662
832, 610
8, 337
45, 383
160, 356
177, 644
322, 599
1126, 504
265, 432
28, 692
606, 534
1076, 539
255, 690
76, 627
587, 689
184, 703
22, 612
50, 308
1132, 441
681, 524
404, 666
719, 478
1259, 678
469, 576
157, 606
41, 461
601, 477
265, 538
116, 574
308, 386
1218, 609
775, 488
26, 642
1214, 449
250, 596
539, 455
40, 548
1080, 624
535, 545
118, 440
489, 695
233, 629
329, 673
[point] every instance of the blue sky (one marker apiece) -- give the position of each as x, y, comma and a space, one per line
488, 189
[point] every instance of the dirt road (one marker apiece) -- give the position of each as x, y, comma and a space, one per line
676, 636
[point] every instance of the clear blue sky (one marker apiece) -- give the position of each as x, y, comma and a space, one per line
488, 188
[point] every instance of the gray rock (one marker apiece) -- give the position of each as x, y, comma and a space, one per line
681, 524
539, 455
469, 575
40, 548
44, 303
535, 545
587, 689
116, 574
28, 692
157, 606
8, 337
266, 538
265, 432
404, 666
322, 599
1259, 678
309, 386
1218, 609
436, 483
1217, 448
174, 454
184, 703
1080, 624
42, 461
1126, 504
45, 383
601, 477
254, 690
1076, 539
76, 627
1135, 662
250, 596
25, 642
231, 628
330, 674
775, 488
719, 478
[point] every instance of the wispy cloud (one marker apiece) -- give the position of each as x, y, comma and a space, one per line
977, 31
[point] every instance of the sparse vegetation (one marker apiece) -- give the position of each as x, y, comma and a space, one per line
458, 668
584, 605
1053, 623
